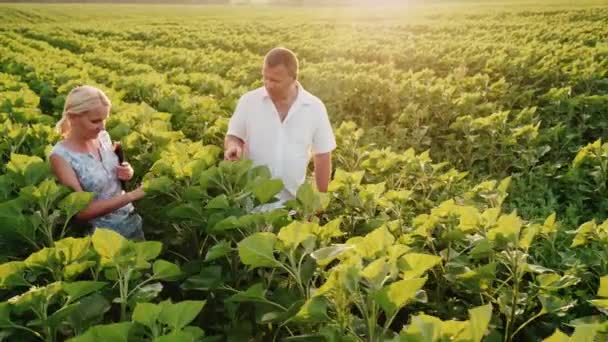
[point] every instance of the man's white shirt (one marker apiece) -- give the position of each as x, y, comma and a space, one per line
285, 147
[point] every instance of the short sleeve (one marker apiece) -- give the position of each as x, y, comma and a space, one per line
324, 140
238, 124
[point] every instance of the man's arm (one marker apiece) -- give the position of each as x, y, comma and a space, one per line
322, 170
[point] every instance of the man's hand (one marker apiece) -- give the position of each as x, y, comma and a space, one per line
233, 152
233, 148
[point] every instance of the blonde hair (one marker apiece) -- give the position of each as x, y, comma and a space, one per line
80, 100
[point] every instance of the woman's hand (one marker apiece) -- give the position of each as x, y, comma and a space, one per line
137, 194
124, 171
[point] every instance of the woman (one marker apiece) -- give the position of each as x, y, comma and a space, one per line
85, 161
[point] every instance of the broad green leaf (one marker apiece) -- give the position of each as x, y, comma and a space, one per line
218, 250
75, 202
178, 336
228, 223
549, 226
376, 272
585, 333
115, 332
557, 336
394, 296
11, 274
108, 243
147, 314
329, 231
308, 197
414, 265
479, 318
5, 314
146, 293
603, 290
73, 270
582, 233
208, 278
313, 310
44, 258
295, 233
219, 202
165, 270
423, 328
148, 250
178, 315
325, 255
160, 185
528, 236
266, 189
79, 289
552, 304
186, 211
91, 309
255, 293
36, 173
376, 242
469, 218
507, 226
73, 248
257, 250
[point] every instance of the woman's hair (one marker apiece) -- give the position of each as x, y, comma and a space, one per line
79, 101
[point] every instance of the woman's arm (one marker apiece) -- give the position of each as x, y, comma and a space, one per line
66, 176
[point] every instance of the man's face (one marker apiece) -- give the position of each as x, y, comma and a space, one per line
277, 81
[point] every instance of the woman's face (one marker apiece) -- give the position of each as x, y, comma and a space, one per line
88, 125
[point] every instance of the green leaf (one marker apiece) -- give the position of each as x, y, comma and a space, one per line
147, 314
230, 222
75, 202
313, 310
414, 265
91, 309
255, 293
11, 274
376, 272
116, 332
147, 250
585, 333
265, 190
146, 293
178, 315
218, 250
108, 243
507, 226
79, 289
308, 197
208, 278
295, 233
394, 296
329, 231
257, 250
5, 314
166, 270
219, 202
325, 255
376, 242
37, 172
479, 318
603, 290
557, 336
160, 185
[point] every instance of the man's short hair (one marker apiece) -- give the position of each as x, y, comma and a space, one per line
282, 56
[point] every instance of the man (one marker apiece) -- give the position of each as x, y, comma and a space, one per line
278, 125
